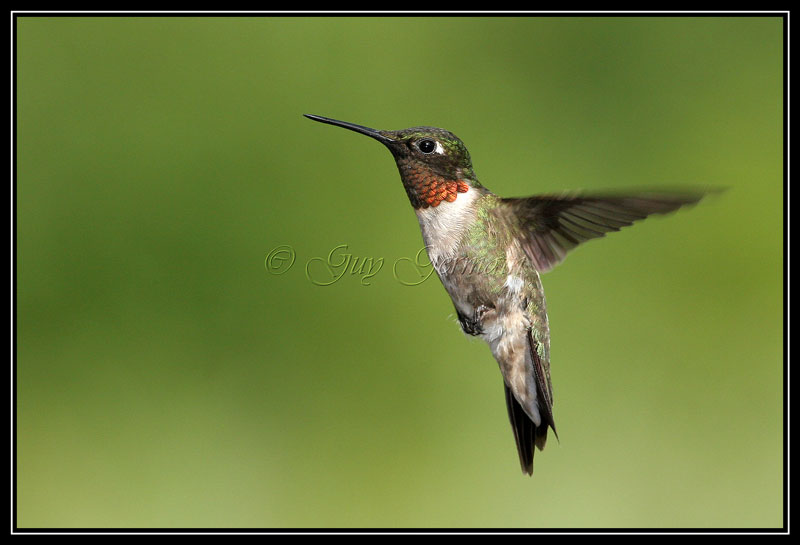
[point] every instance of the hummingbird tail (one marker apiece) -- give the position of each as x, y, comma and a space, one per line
526, 432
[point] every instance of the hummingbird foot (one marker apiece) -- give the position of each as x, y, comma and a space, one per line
473, 325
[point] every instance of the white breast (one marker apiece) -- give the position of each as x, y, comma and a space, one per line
444, 226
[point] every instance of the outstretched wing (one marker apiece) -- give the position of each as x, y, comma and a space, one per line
552, 225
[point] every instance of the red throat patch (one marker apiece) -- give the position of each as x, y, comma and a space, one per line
432, 190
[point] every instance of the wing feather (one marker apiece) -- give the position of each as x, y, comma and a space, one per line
552, 225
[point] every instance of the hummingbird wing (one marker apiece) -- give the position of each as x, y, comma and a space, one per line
552, 225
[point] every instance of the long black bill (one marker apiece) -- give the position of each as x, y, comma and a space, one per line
353, 127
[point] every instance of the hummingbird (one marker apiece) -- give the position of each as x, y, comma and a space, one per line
489, 252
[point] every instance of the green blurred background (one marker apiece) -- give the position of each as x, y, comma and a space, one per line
166, 379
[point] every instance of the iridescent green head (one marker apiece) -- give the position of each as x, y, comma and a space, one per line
427, 157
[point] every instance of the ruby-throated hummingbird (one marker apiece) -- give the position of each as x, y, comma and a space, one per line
489, 251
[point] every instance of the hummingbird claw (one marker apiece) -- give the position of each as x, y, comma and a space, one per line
473, 325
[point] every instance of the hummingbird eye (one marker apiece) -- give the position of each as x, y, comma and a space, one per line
426, 146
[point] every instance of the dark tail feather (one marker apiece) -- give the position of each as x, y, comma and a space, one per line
525, 432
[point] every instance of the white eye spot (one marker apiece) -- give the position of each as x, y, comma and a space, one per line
439, 148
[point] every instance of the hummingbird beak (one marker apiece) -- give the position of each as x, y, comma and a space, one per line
376, 134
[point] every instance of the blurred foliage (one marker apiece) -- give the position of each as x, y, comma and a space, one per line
165, 378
